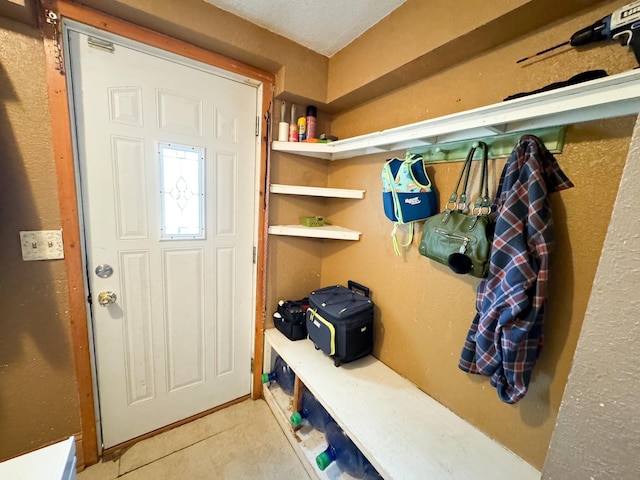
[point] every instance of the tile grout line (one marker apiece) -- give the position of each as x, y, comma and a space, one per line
173, 452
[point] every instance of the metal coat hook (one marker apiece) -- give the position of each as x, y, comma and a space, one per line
444, 151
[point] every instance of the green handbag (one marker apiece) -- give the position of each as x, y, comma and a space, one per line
457, 239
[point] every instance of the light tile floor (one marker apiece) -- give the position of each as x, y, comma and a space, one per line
240, 442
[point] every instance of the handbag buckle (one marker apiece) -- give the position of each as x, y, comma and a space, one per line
463, 247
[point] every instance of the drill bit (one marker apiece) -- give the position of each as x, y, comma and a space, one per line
544, 51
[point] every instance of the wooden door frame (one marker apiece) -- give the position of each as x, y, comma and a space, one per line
68, 194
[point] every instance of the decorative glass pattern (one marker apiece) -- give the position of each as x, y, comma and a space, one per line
182, 191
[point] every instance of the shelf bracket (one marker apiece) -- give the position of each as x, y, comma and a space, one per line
500, 146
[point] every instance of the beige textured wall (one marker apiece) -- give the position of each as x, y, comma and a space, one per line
488, 77
38, 393
421, 339
301, 72
294, 264
423, 315
423, 311
421, 39
596, 436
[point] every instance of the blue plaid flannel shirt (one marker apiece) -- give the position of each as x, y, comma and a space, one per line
505, 337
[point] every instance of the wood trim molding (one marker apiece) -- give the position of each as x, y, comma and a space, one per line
263, 226
67, 195
65, 168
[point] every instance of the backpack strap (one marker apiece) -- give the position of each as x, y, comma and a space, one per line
397, 244
390, 173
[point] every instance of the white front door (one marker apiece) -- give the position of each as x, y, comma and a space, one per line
167, 153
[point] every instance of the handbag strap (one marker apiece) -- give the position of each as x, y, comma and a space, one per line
453, 203
462, 204
482, 205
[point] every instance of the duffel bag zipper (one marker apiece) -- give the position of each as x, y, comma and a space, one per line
352, 307
456, 236
317, 320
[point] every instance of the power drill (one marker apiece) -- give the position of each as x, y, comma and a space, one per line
622, 25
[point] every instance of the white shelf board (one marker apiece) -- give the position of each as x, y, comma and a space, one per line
307, 442
55, 462
402, 431
607, 97
327, 231
318, 150
316, 191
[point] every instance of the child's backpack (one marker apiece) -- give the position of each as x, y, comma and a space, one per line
407, 195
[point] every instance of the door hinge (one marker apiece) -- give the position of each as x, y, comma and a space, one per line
53, 20
101, 44
255, 255
251, 365
89, 299
257, 126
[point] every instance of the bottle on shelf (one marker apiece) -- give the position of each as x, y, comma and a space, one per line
302, 129
283, 126
282, 374
343, 451
312, 411
311, 121
293, 126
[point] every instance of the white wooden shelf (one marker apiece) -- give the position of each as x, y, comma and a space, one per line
327, 231
307, 442
608, 97
316, 191
55, 462
403, 432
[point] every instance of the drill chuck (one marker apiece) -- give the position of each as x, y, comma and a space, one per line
590, 34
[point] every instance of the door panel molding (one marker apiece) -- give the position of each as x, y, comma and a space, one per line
68, 194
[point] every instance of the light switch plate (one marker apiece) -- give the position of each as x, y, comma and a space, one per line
41, 245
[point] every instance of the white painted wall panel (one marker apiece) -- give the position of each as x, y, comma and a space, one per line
179, 113
130, 187
226, 299
125, 105
184, 312
226, 127
225, 174
138, 334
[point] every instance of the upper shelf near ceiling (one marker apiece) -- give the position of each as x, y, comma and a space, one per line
608, 97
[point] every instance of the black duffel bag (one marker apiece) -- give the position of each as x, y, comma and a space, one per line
289, 318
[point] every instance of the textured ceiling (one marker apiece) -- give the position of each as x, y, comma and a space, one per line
325, 26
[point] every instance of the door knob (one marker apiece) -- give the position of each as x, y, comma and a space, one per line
106, 298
